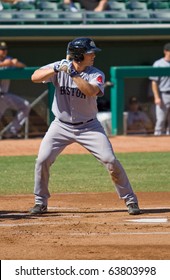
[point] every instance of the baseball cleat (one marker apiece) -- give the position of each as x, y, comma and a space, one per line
38, 209
133, 209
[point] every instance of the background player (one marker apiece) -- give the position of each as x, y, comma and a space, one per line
9, 100
77, 86
161, 92
138, 122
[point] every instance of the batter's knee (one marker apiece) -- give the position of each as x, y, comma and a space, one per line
44, 161
114, 168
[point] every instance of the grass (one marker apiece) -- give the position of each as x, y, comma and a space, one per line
83, 173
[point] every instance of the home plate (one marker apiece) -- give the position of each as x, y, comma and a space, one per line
150, 220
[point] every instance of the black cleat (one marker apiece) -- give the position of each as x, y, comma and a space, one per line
133, 209
38, 209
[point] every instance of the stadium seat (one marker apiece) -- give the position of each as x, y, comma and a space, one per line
25, 17
5, 17
69, 17
120, 1
154, 5
119, 17
66, 7
117, 6
136, 5
23, 6
50, 18
6, 6
96, 17
140, 16
161, 16
46, 5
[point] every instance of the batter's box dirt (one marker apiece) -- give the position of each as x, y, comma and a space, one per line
85, 226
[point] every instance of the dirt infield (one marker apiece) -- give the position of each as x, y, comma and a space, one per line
86, 225
119, 143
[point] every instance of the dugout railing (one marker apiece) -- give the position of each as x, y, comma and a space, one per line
25, 74
118, 75
117, 87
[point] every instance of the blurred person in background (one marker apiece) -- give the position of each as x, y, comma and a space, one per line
89, 5
138, 122
9, 100
161, 92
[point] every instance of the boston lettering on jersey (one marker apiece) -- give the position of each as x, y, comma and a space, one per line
72, 92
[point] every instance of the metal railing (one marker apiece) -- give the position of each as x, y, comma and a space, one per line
25, 74
118, 75
83, 17
26, 121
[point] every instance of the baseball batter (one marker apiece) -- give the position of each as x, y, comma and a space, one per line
77, 85
161, 92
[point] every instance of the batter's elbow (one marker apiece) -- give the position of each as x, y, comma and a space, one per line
34, 79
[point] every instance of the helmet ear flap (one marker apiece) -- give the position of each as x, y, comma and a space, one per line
78, 57
75, 53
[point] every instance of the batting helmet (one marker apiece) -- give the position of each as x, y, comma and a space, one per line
80, 46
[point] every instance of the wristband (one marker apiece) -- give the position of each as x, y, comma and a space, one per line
73, 73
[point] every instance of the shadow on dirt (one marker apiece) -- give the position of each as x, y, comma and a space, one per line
18, 215
155, 211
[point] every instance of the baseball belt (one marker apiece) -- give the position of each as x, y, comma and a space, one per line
76, 123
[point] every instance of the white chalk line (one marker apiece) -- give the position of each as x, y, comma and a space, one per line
86, 234
149, 220
104, 209
112, 233
81, 222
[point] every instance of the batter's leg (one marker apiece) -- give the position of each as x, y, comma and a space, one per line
95, 140
55, 140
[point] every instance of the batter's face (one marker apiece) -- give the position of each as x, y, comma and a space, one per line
89, 59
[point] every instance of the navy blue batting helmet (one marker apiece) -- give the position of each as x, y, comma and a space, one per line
80, 46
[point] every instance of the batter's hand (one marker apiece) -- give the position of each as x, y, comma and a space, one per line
66, 66
71, 71
61, 66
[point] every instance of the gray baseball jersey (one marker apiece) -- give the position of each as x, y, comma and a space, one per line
163, 82
70, 104
76, 122
163, 111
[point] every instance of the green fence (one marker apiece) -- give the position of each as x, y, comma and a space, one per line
118, 74
25, 74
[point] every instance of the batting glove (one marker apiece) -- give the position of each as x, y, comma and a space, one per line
71, 71
61, 65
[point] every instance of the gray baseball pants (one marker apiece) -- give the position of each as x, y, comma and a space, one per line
162, 125
90, 135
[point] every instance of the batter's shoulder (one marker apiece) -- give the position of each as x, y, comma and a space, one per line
93, 69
